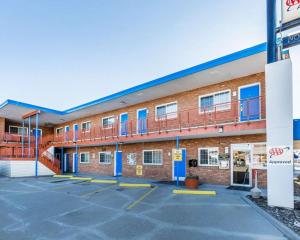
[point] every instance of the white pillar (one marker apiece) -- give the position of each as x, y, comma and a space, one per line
279, 115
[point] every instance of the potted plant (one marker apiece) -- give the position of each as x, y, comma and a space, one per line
191, 181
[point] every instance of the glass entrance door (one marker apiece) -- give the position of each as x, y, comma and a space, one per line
241, 165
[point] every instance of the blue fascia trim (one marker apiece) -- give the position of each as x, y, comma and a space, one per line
27, 105
198, 68
204, 66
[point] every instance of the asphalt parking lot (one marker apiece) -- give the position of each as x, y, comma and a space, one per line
56, 208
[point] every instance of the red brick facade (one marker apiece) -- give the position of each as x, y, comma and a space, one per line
185, 101
206, 174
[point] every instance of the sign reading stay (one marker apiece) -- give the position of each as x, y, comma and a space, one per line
177, 154
290, 10
280, 155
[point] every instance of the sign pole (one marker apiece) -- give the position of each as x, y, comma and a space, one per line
271, 31
177, 164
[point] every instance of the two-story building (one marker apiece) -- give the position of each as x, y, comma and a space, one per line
215, 111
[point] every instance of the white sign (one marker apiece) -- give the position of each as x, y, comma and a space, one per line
280, 155
290, 10
131, 159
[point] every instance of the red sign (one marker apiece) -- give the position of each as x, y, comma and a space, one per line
291, 3
276, 151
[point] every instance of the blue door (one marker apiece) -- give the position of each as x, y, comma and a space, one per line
118, 165
249, 103
67, 130
66, 163
142, 121
124, 124
39, 133
181, 166
75, 132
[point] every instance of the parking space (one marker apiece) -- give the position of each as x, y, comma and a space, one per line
52, 208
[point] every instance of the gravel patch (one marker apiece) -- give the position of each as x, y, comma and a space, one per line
289, 217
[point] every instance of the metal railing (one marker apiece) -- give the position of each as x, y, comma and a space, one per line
219, 114
233, 112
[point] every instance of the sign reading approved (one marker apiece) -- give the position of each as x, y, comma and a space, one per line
177, 154
290, 10
280, 155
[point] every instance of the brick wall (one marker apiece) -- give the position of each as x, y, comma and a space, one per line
2, 125
212, 175
185, 100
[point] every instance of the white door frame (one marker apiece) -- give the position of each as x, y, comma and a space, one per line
115, 162
242, 146
120, 123
75, 124
173, 174
73, 162
239, 98
137, 118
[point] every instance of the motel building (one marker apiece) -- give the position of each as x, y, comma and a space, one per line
215, 110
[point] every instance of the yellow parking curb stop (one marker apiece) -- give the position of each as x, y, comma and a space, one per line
81, 178
135, 185
62, 176
194, 192
103, 181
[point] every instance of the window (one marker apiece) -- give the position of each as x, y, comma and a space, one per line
108, 122
86, 126
259, 156
152, 157
166, 111
217, 101
18, 130
84, 157
105, 157
209, 156
59, 131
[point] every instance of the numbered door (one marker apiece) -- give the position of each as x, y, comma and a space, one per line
124, 124
250, 102
118, 164
142, 121
179, 168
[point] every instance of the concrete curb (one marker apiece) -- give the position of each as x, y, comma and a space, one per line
286, 231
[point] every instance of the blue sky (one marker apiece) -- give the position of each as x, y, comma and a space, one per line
62, 53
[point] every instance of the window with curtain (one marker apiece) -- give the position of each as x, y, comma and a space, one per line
108, 122
86, 126
219, 101
209, 156
152, 157
166, 111
105, 157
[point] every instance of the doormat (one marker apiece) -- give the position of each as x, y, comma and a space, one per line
239, 188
